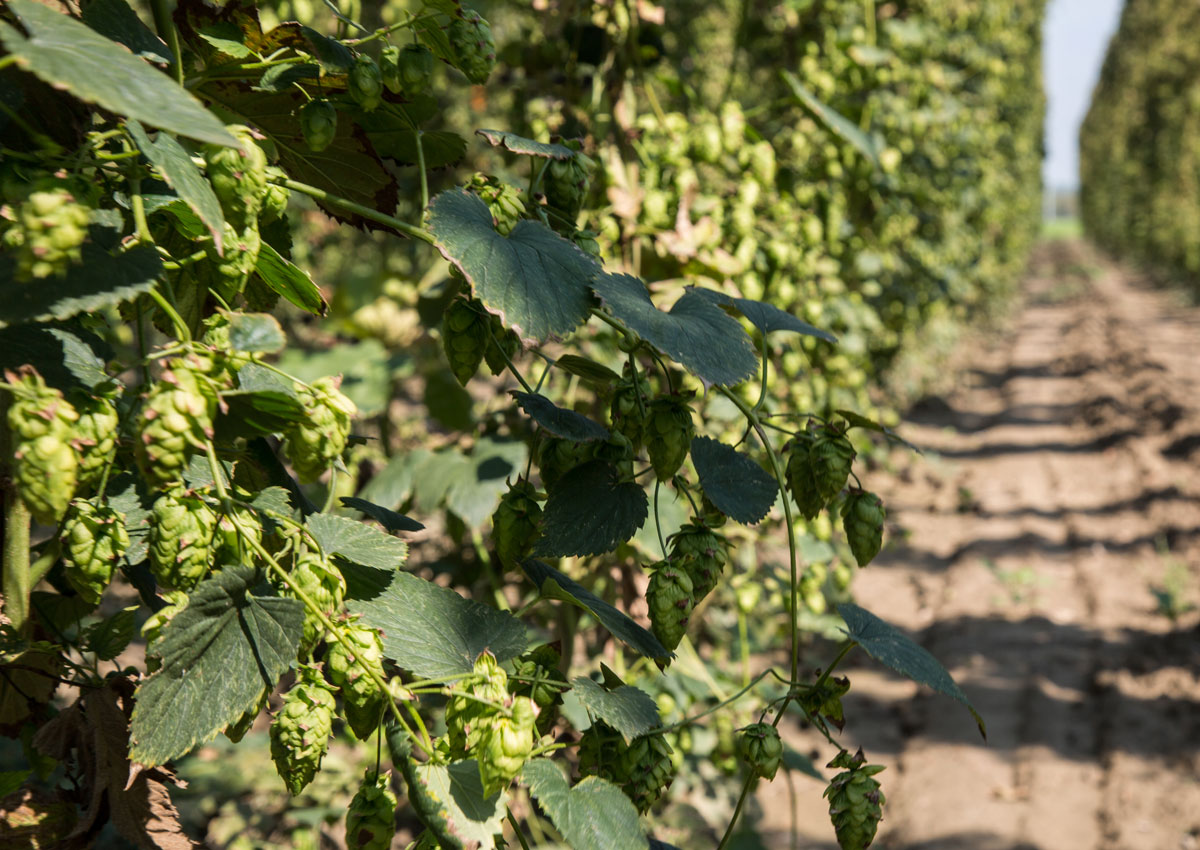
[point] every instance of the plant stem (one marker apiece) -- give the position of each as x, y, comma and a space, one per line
17, 578
845, 650
517, 829
358, 209
737, 811
167, 32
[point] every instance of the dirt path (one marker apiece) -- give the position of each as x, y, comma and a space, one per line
1062, 482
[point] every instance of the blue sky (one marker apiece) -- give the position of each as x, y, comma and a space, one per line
1077, 33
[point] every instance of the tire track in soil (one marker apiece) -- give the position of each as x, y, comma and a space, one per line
1068, 453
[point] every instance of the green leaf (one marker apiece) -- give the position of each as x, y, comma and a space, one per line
475, 487
264, 403
218, 655
526, 147
294, 284
554, 585
357, 542
736, 484
116, 20
62, 357
256, 332
594, 815
109, 637
558, 420
697, 333
390, 129
390, 520
535, 279
365, 365
892, 648
629, 710
857, 420
12, 780
590, 511
766, 317
99, 280
433, 631
588, 370
279, 78
123, 497
182, 175
69, 55
837, 123
332, 54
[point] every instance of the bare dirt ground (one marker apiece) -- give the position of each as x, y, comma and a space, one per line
1061, 485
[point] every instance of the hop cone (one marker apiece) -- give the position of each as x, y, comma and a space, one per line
503, 346
233, 546
318, 123
314, 443
176, 418
415, 68
371, 819
472, 44
361, 696
546, 684
48, 231
701, 553
503, 201
668, 434
566, 183
515, 522
643, 770
228, 273
812, 587
671, 600
93, 538
300, 731
45, 464
365, 83
760, 748
630, 406
95, 436
557, 456
831, 458
275, 201
800, 479
505, 745
855, 801
238, 176
862, 520
467, 720
325, 585
617, 450
181, 535
465, 337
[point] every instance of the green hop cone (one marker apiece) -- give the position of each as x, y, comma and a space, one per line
275, 200
643, 770
365, 83
799, 475
235, 540
761, 750
471, 42
238, 176
371, 818
467, 720
45, 464
48, 230
566, 184
556, 456
616, 451
182, 527
536, 675
670, 598
176, 418
415, 68
300, 731
855, 801
389, 68
93, 539
95, 435
465, 336
831, 457
318, 124
362, 698
318, 440
324, 585
630, 406
515, 522
503, 201
506, 744
587, 242
701, 553
668, 434
862, 520
503, 346
228, 273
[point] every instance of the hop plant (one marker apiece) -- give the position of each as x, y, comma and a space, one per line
318, 124
831, 457
862, 520
414, 67
49, 227
324, 585
505, 745
93, 539
182, 526
668, 434
238, 176
557, 456
362, 697
642, 770
471, 42
701, 553
371, 818
536, 675
467, 719
630, 406
503, 201
319, 439
465, 336
760, 748
237, 730
670, 598
515, 522
566, 183
176, 418
95, 435
502, 347
800, 477
365, 83
45, 464
855, 800
300, 731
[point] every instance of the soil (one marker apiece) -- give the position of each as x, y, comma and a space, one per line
1030, 551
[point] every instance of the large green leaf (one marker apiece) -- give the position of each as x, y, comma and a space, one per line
526, 147
218, 655
588, 370
115, 19
256, 332
629, 710
264, 403
766, 317
289, 280
70, 55
99, 280
558, 420
696, 332
736, 484
391, 130
590, 511
63, 357
892, 648
474, 482
182, 175
554, 585
594, 815
535, 279
357, 542
837, 123
433, 631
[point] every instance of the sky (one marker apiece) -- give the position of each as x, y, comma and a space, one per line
1076, 37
